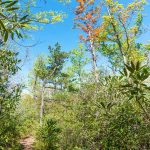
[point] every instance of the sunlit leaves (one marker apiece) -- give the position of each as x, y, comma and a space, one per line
136, 87
78, 61
87, 15
10, 22
48, 67
49, 17
8, 62
40, 69
15, 17
136, 75
122, 25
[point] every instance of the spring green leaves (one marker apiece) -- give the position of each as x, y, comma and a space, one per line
16, 18
10, 21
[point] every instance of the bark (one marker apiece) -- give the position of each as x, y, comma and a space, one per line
35, 98
118, 41
42, 104
94, 59
34, 89
34, 92
95, 69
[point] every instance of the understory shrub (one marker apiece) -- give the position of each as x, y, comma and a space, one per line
48, 136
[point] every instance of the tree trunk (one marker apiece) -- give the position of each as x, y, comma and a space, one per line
42, 104
118, 41
34, 89
125, 61
95, 69
94, 59
35, 99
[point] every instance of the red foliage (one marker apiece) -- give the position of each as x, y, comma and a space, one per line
87, 16
85, 29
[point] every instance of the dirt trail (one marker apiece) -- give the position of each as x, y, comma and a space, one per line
27, 143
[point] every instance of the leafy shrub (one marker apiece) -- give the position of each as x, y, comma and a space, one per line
102, 116
126, 129
9, 133
9, 97
28, 115
48, 136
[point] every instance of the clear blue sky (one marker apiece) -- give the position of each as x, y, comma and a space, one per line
62, 33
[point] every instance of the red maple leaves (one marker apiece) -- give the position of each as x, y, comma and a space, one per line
87, 16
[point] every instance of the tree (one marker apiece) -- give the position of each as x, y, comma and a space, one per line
87, 17
123, 25
56, 59
41, 73
47, 71
78, 60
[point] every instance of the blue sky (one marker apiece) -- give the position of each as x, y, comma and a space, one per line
63, 33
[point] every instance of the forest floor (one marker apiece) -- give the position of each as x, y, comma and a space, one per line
27, 143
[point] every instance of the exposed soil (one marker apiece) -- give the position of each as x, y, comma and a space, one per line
27, 143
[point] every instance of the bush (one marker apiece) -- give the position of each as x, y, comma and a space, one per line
9, 133
126, 129
28, 115
100, 117
48, 136
9, 98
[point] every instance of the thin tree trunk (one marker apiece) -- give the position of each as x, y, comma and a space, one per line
79, 72
95, 69
94, 59
55, 85
34, 89
42, 104
125, 61
80, 80
34, 98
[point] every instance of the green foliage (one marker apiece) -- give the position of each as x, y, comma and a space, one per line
137, 76
112, 113
40, 70
9, 133
49, 67
9, 97
56, 59
122, 25
100, 116
78, 60
135, 87
16, 16
9, 94
10, 21
124, 128
48, 135
28, 116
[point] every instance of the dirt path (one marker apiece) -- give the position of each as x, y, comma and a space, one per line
27, 143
